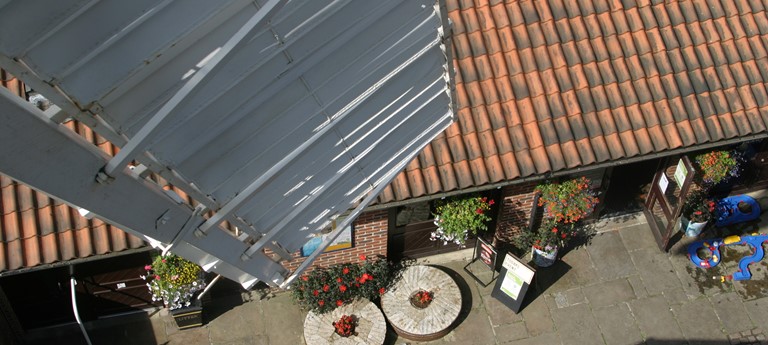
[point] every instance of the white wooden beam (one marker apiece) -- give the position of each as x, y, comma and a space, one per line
146, 134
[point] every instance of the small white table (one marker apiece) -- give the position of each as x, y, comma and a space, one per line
371, 326
435, 320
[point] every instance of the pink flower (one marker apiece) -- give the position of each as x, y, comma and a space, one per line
147, 267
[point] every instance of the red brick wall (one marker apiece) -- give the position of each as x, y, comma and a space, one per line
517, 202
370, 239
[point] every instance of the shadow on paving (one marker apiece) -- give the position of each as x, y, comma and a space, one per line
128, 329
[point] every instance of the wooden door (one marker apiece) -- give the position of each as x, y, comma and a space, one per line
666, 196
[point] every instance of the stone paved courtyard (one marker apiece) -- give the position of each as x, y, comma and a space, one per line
617, 289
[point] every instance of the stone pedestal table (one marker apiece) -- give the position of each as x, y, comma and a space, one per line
371, 326
435, 320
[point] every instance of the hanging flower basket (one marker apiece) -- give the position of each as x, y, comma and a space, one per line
718, 166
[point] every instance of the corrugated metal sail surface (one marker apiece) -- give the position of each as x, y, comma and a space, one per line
307, 116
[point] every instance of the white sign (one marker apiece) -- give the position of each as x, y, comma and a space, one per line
517, 268
663, 183
680, 173
511, 285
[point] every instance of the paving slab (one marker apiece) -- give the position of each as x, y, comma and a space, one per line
498, 313
637, 237
236, 323
731, 312
537, 318
758, 311
609, 256
566, 298
474, 329
638, 287
548, 338
608, 293
618, 325
655, 320
576, 325
698, 321
282, 314
510, 332
582, 271
655, 270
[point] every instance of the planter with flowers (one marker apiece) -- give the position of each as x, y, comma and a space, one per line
696, 213
175, 281
325, 289
718, 166
338, 300
565, 205
460, 216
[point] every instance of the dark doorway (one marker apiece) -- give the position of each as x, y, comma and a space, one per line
628, 187
410, 227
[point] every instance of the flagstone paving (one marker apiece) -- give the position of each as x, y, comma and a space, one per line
617, 289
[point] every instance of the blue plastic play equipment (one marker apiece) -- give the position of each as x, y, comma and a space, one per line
711, 260
728, 211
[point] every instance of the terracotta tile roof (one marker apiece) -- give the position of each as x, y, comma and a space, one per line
544, 86
37, 230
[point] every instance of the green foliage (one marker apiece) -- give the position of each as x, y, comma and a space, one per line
718, 166
567, 202
325, 289
459, 216
548, 236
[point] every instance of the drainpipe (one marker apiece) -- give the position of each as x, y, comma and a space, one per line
72, 284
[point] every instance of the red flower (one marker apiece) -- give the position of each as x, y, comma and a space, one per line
157, 277
357, 285
343, 288
338, 280
304, 278
554, 230
362, 279
479, 211
326, 288
339, 302
315, 292
484, 199
362, 257
563, 236
345, 270
382, 291
321, 302
491, 202
367, 276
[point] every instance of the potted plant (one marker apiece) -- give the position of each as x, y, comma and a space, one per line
460, 216
699, 215
324, 289
175, 280
345, 326
718, 166
422, 299
565, 204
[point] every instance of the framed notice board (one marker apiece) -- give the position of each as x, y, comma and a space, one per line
513, 282
486, 253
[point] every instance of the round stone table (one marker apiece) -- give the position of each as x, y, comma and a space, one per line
371, 326
432, 322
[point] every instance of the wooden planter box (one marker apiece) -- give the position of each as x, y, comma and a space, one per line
188, 317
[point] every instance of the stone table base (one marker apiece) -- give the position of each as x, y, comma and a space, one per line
432, 322
371, 326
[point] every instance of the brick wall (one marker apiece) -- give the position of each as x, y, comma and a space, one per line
370, 239
517, 202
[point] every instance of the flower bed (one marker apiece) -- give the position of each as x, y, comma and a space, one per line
325, 289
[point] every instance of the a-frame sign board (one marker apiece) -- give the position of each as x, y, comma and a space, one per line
513, 282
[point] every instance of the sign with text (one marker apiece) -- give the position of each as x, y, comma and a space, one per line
513, 282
